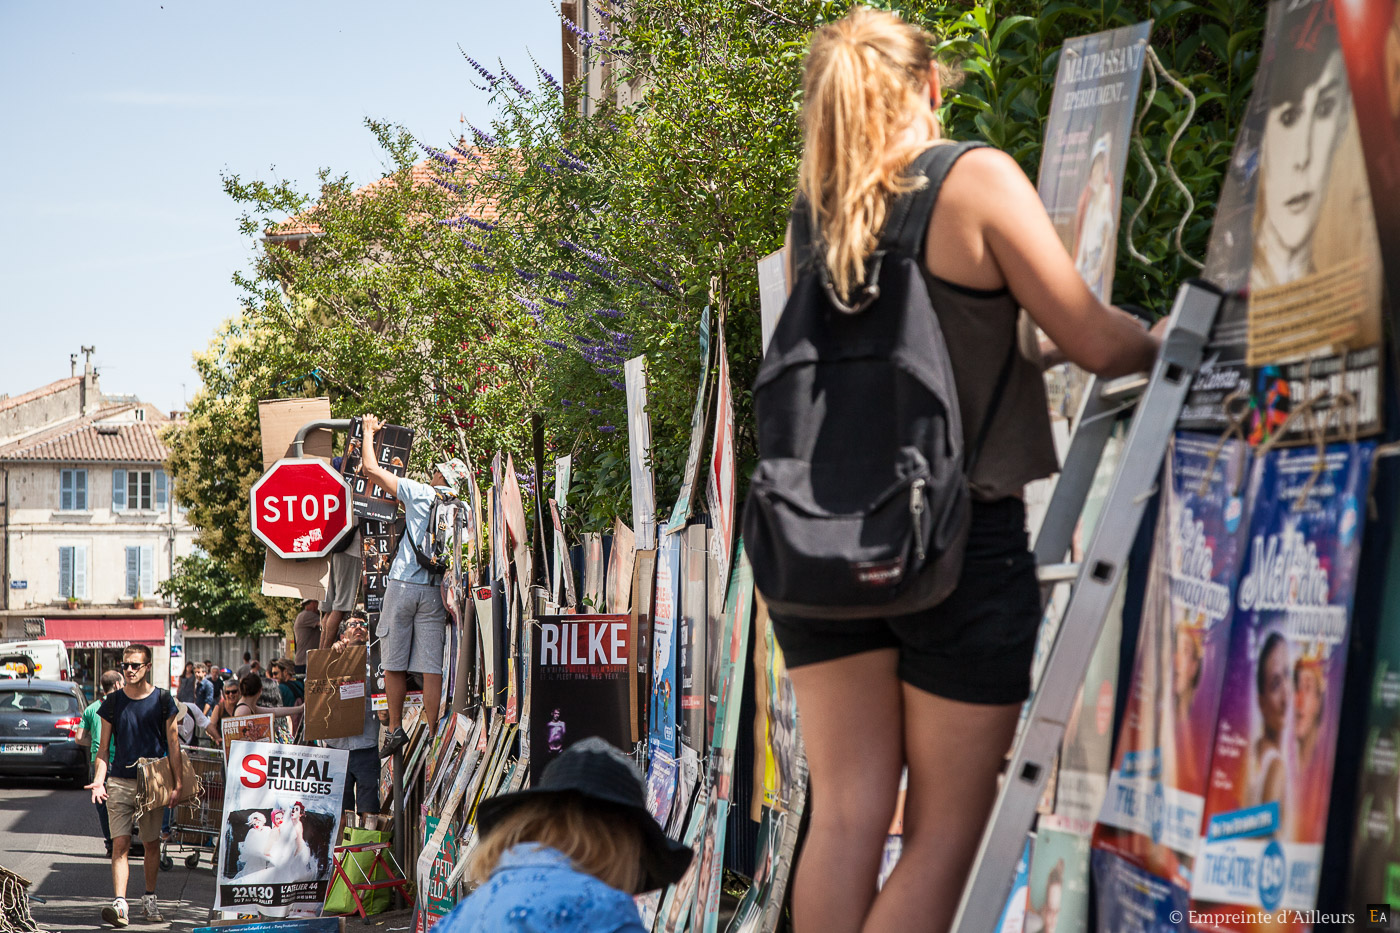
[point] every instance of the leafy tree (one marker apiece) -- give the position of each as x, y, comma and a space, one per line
212, 598
216, 456
516, 272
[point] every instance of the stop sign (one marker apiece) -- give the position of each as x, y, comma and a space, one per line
301, 507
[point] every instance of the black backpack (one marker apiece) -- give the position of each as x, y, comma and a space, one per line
860, 505
433, 553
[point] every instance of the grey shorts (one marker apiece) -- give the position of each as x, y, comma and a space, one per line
346, 570
412, 628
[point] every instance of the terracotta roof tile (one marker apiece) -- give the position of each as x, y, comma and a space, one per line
40, 392
423, 173
90, 439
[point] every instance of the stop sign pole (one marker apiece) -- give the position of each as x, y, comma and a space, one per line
301, 508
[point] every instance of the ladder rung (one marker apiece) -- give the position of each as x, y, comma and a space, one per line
1058, 573
1124, 387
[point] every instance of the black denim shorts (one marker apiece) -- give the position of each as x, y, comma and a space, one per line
975, 646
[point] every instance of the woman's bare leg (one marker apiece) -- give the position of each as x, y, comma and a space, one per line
852, 731
954, 751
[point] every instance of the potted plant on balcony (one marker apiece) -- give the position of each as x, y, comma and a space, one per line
139, 602
72, 602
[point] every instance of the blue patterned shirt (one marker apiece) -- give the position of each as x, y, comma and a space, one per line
535, 889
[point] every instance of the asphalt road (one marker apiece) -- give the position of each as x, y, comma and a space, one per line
50, 835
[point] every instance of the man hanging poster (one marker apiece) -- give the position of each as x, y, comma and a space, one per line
1313, 334
1271, 771
579, 684
281, 818
1151, 814
665, 613
639, 450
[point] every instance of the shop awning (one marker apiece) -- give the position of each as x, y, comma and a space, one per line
106, 633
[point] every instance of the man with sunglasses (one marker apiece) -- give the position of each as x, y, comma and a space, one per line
138, 721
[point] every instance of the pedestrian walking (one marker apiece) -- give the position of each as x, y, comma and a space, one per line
412, 622
90, 731
138, 721
937, 690
185, 691
245, 666
570, 853
204, 689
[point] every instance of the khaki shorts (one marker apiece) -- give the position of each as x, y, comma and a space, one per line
121, 811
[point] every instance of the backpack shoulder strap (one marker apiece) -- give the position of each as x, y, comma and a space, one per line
803, 237
907, 227
907, 224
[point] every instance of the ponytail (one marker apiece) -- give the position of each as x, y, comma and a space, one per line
864, 87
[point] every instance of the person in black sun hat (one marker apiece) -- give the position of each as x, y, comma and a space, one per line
569, 853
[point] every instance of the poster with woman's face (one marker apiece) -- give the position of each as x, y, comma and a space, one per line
1151, 813
1275, 743
1314, 317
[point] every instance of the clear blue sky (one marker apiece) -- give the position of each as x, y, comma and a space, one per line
118, 118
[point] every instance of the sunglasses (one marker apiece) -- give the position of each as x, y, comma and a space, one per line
231, 693
132, 665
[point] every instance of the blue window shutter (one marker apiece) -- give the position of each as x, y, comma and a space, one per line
161, 489
119, 490
80, 490
80, 588
65, 571
148, 570
133, 570
65, 490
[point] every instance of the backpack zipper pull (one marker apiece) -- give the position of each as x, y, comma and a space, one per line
916, 510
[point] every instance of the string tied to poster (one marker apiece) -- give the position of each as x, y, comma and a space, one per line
1236, 406
1157, 68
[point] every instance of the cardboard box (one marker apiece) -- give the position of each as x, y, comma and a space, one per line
335, 692
279, 421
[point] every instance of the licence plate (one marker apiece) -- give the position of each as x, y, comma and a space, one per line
18, 748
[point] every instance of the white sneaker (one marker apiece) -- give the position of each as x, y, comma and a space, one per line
116, 913
148, 901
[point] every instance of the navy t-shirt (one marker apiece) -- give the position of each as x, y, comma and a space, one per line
138, 728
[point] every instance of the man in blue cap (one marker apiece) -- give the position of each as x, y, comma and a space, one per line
412, 621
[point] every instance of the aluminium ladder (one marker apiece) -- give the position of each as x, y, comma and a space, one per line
1159, 400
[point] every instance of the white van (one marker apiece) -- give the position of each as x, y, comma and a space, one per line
46, 659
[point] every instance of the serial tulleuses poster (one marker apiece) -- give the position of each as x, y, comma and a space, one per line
281, 819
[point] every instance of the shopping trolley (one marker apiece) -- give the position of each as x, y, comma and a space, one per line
197, 823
